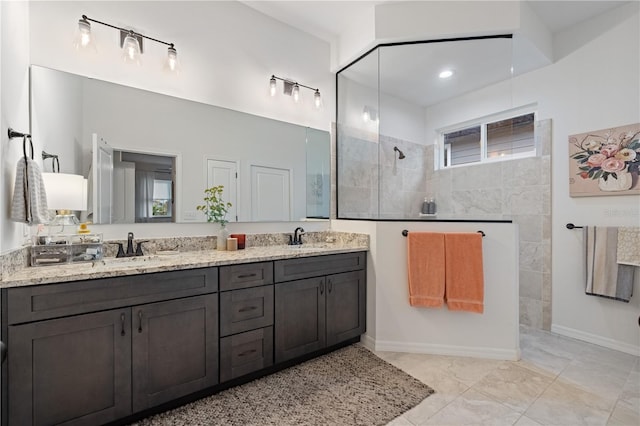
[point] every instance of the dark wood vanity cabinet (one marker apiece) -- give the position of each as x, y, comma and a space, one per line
96, 351
327, 306
95, 367
246, 319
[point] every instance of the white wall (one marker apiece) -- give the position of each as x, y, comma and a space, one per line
590, 90
14, 100
401, 327
586, 89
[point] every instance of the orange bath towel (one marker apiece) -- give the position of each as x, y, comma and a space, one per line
425, 254
464, 273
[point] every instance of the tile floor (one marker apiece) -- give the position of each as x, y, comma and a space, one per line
558, 381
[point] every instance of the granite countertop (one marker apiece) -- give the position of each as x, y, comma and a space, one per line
112, 267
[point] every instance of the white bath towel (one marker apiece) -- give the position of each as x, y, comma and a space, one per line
29, 203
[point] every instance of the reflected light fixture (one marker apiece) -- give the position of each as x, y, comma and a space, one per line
130, 41
369, 114
292, 88
66, 193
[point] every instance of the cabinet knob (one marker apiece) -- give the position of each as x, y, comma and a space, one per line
321, 287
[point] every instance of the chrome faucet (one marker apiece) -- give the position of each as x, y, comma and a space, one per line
296, 239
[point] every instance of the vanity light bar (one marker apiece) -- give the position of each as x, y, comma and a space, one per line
292, 88
130, 41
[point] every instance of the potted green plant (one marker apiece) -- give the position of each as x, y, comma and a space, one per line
216, 209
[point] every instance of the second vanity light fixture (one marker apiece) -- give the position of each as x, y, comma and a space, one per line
292, 88
130, 41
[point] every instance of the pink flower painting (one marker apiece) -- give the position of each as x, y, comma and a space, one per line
605, 162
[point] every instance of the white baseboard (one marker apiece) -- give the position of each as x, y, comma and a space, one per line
596, 340
368, 342
425, 348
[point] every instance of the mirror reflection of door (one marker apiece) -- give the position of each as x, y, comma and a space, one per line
225, 173
102, 176
270, 194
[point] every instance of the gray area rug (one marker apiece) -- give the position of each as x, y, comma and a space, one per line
350, 386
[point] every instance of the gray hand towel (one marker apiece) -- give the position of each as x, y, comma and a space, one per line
29, 203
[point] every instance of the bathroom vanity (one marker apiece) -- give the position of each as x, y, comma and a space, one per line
113, 339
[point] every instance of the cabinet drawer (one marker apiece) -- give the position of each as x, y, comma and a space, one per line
307, 267
35, 303
245, 353
247, 309
234, 277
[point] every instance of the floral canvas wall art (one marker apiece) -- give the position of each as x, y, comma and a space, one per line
605, 162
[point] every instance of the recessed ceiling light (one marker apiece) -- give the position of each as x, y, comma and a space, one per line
445, 74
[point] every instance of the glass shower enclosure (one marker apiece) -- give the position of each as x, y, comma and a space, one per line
392, 104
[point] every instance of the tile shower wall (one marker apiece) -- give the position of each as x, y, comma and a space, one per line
519, 190
386, 189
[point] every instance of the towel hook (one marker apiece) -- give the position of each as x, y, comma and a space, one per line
14, 134
54, 161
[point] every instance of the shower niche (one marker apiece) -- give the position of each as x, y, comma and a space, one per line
392, 105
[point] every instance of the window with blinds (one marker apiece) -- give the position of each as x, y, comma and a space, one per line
489, 140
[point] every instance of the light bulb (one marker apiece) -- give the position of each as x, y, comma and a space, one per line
84, 39
172, 64
295, 92
317, 99
131, 49
272, 85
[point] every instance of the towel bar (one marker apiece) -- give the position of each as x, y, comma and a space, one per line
406, 232
572, 226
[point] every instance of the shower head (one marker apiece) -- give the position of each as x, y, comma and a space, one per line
400, 153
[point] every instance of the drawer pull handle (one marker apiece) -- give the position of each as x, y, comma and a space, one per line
122, 319
249, 352
139, 321
247, 275
248, 308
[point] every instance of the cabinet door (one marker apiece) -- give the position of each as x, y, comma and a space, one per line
299, 318
175, 349
346, 306
72, 371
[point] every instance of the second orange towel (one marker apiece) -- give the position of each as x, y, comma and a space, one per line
464, 272
446, 267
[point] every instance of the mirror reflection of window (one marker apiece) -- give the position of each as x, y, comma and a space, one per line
161, 202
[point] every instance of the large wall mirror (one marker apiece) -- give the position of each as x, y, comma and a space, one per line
150, 156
